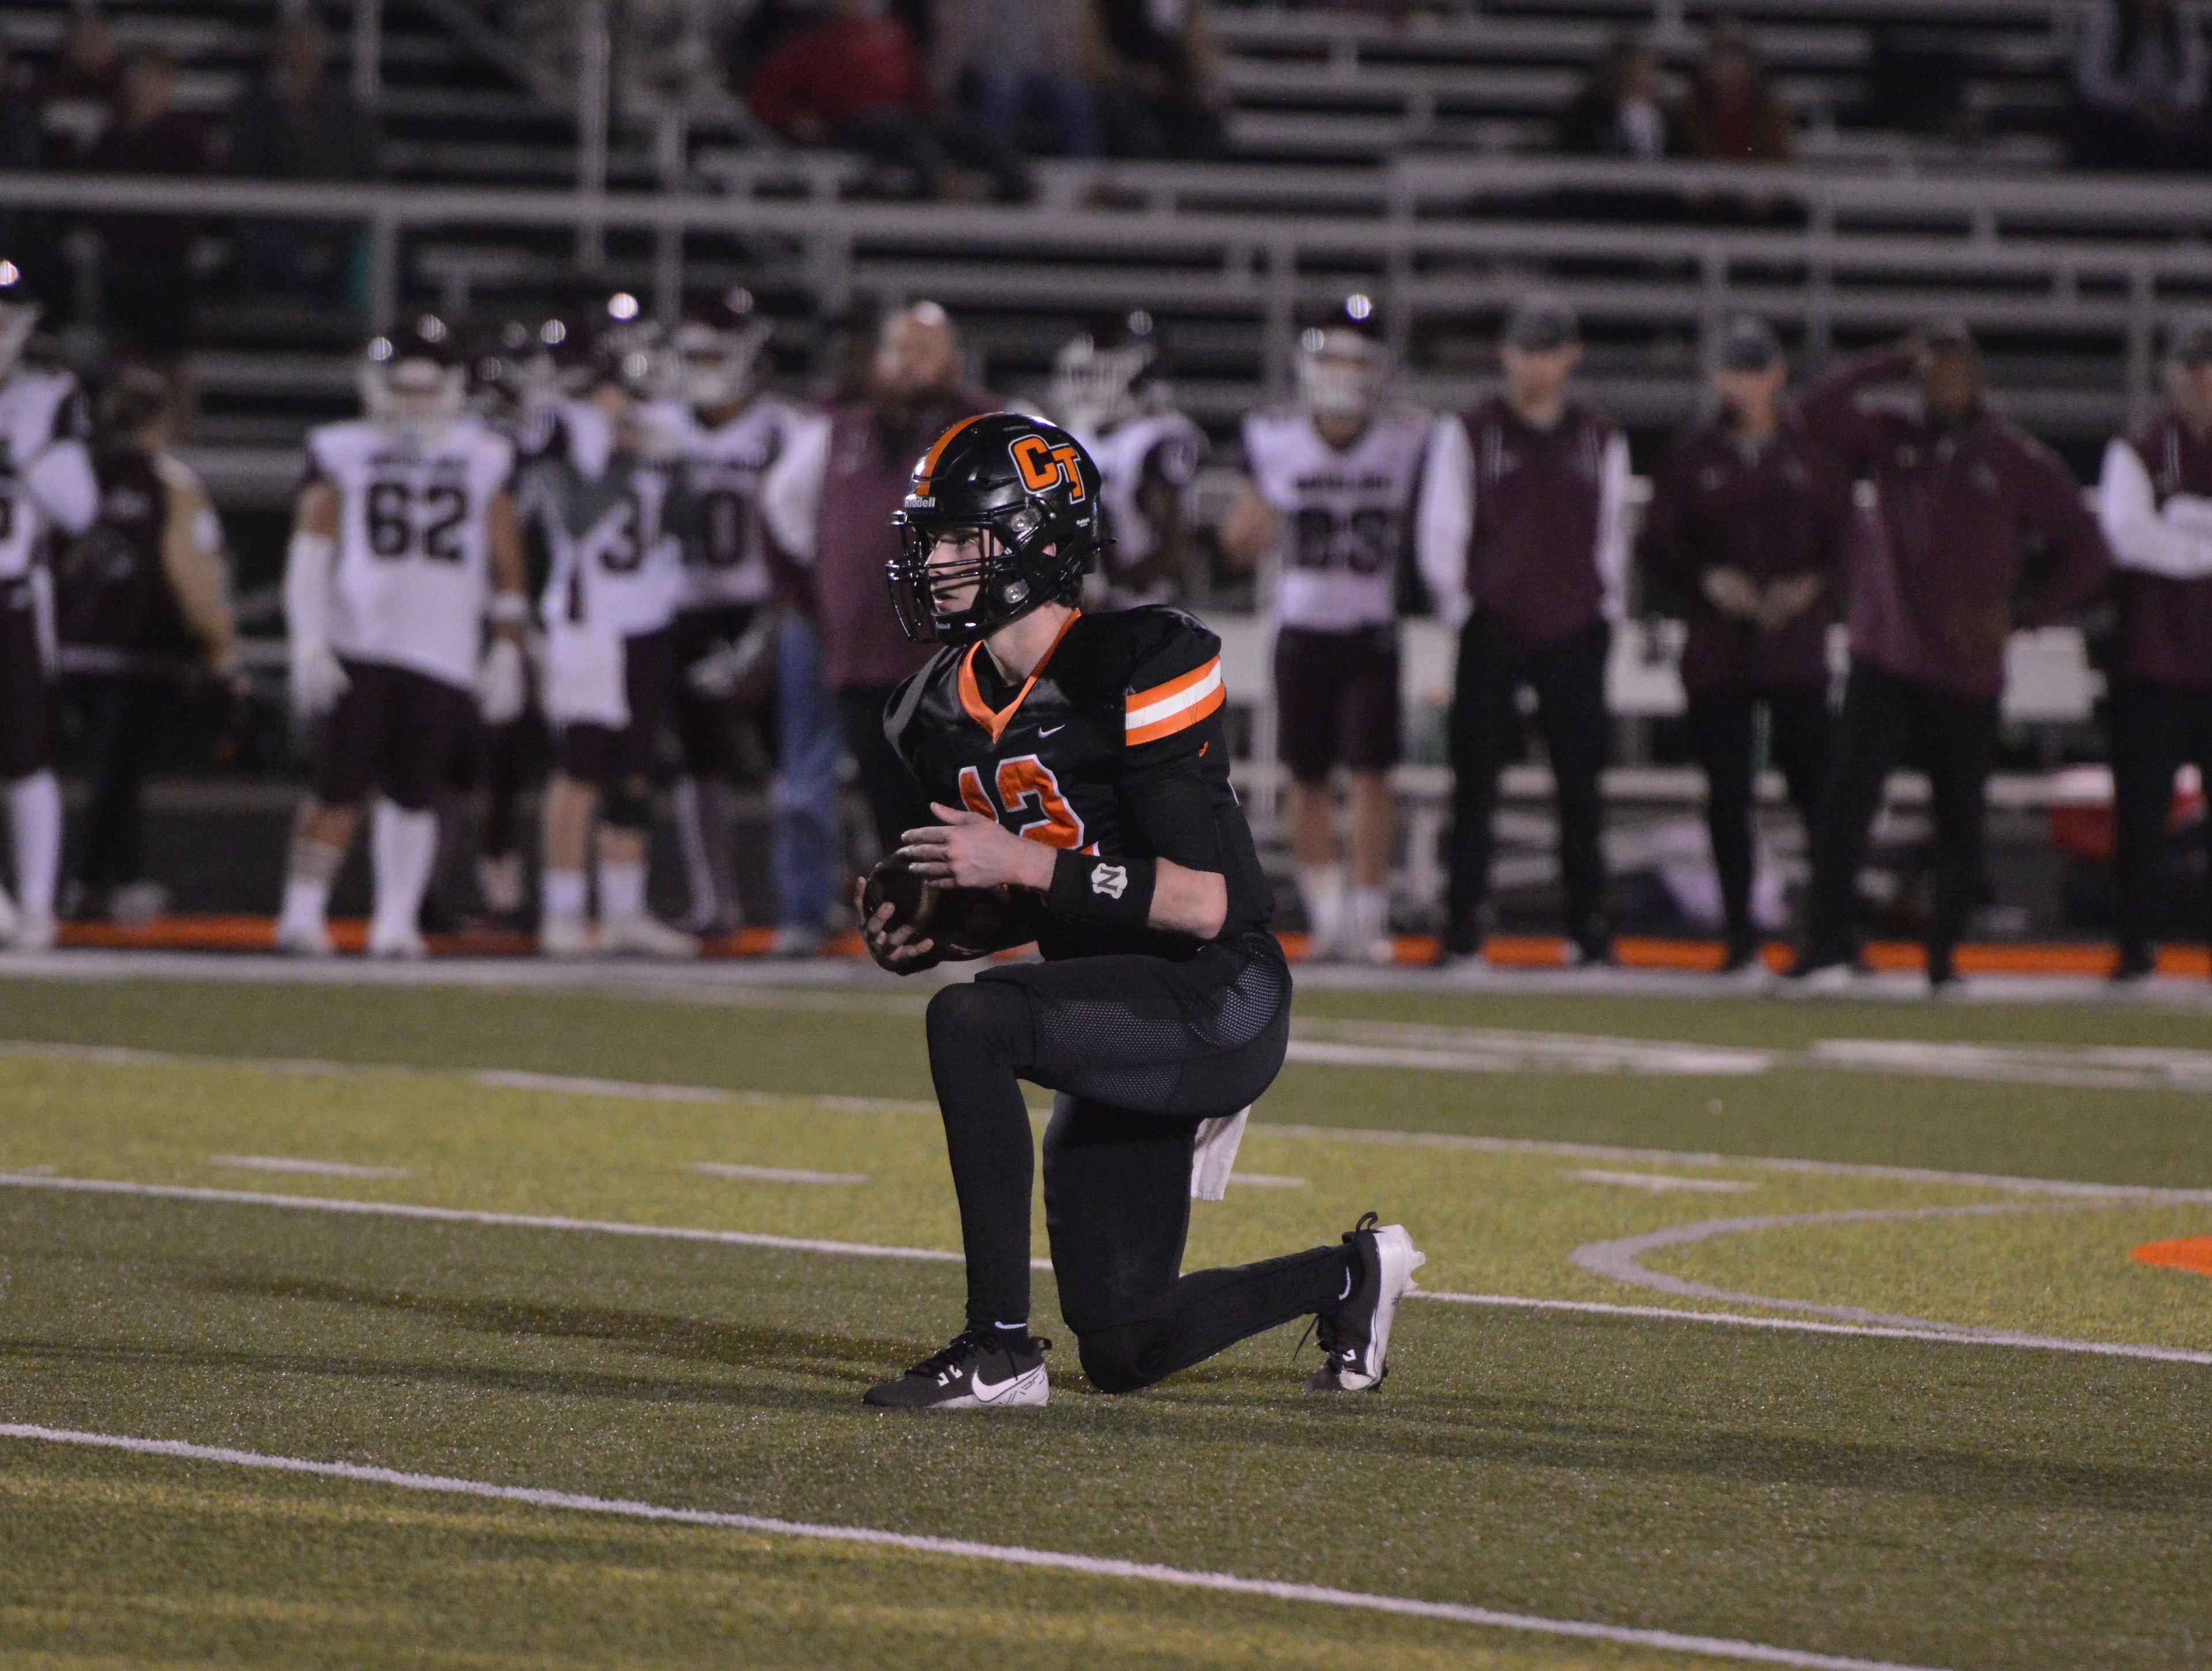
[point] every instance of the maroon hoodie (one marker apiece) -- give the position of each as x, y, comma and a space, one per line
1773, 512
2163, 635
865, 480
1932, 585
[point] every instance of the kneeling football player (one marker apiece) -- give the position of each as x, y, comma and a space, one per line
1083, 759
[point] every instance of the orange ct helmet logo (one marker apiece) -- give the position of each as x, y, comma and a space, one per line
1044, 465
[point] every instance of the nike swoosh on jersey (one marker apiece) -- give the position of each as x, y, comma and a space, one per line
1049, 730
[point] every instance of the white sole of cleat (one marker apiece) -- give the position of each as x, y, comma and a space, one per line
1027, 1391
1400, 1259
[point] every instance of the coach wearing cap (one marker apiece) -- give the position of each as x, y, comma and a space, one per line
1745, 531
1523, 540
2155, 503
1936, 585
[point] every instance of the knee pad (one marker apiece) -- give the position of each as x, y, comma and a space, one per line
1119, 1359
628, 805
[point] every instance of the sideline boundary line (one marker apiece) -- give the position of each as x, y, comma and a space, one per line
1097, 1566
517, 1079
1959, 1337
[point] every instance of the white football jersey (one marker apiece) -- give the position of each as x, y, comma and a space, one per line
615, 566
1347, 515
414, 564
725, 548
1174, 447
46, 476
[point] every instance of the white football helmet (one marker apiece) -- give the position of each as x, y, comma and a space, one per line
19, 317
1104, 377
715, 352
410, 379
1341, 367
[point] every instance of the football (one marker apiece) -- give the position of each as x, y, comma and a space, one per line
964, 922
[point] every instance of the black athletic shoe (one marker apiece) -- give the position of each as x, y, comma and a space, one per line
1355, 1332
974, 1372
2137, 963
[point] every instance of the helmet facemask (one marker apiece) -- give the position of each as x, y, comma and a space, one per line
955, 583
715, 366
413, 392
1340, 373
1094, 389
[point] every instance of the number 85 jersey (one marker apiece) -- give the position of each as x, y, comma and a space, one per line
414, 561
1115, 745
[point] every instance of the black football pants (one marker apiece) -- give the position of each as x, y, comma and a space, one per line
1724, 736
1889, 721
1569, 680
2154, 731
1139, 1050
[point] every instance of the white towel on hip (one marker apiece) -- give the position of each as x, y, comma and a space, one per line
1214, 1154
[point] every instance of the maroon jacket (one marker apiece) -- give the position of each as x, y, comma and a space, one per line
1959, 511
2163, 635
1774, 513
1532, 555
866, 480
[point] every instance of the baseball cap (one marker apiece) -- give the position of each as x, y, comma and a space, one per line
1749, 344
1540, 322
2189, 339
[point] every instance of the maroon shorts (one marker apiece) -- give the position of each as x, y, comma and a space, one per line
412, 736
606, 757
27, 689
1336, 700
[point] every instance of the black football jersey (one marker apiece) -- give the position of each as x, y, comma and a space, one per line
1115, 745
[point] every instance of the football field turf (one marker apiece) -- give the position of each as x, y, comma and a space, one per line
356, 1327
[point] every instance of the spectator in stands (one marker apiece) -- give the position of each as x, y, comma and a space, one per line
1523, 537
1745, 528
2156, 502
1160, 92
145, 607
829, 500
77, 95
1016, 56
300, 124
1731, 112
855, 79
1621, 110
1958, 497
2139, 87
146, 282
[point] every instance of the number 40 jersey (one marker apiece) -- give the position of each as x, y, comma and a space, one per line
414, 563
1348, 514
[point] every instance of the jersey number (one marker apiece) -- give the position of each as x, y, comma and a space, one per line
1027, 791
402, 523
725, 527
621, 537
1366, 542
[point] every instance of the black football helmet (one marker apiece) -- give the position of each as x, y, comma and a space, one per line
1021, 497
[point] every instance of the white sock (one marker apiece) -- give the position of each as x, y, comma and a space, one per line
564, 894
621, 891
1321, 890
1367, 918
403, 846
35, 807
306, 900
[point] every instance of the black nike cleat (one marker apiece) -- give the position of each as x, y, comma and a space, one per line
973, 1372
1355, 1332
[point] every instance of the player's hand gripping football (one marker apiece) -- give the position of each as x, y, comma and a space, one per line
970, 851
899, 950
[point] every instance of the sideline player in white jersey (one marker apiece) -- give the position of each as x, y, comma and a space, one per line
404, 546
1109, 392
1331, 501
47, 485
602, 492
730, 433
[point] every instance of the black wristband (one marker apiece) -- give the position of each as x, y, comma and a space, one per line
1115, 893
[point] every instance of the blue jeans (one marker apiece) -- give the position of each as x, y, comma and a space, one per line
808, 834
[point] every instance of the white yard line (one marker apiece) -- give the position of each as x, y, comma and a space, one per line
776, 1174
1660, 1182
1949, 1337
318, 1168
577, 1085
1095, 1567
42, 1179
